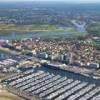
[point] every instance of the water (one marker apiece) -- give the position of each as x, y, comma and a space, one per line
14, 35
18, 36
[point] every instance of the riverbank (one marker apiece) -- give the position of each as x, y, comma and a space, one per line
6, 28
6, 95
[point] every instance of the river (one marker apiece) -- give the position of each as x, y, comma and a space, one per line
18, 36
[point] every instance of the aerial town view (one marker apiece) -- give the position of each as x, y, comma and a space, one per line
49, 50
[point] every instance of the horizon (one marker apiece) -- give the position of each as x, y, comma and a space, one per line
52, 1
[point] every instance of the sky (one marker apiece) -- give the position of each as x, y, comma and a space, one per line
69, 1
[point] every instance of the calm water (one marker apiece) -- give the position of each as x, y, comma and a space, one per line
14, 35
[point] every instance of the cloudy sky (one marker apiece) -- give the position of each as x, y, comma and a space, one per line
73, 1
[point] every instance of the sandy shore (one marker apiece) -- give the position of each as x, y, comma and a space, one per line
6, 95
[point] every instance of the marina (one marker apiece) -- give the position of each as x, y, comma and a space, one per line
49, 84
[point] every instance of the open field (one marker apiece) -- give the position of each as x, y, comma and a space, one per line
13, 32
6, 95
27, 28
6, 28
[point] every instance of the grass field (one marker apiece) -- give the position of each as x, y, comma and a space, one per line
34, 28
44, 31
26, 28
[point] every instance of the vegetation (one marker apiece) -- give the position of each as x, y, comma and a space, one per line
96, 44
28, 28
39, 28
94, 29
